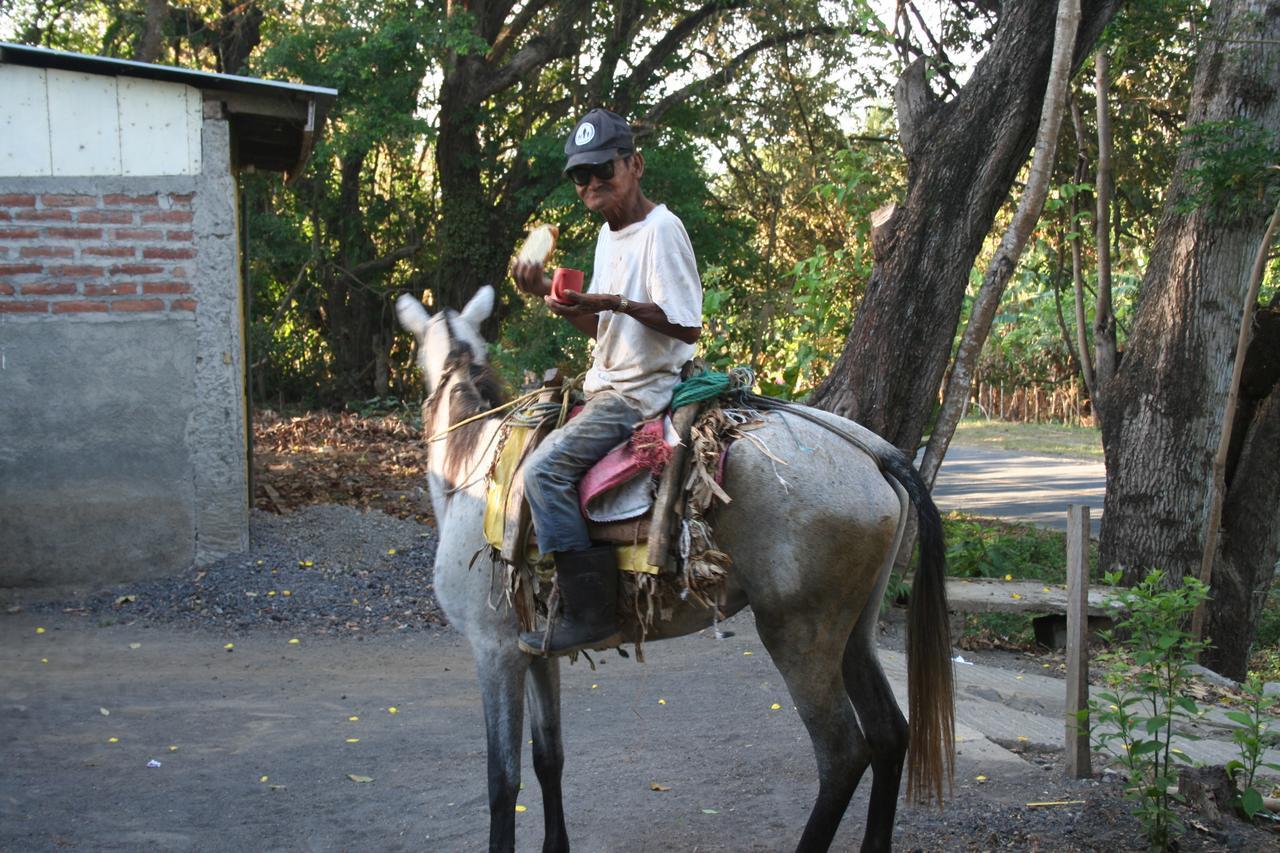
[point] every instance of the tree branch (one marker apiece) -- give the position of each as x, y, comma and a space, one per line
914, 102
667, 46
726, 75
626, 21
384, 263
507, 35
560, 40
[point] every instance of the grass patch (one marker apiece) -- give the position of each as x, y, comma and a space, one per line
1047, 439
979, 547
986, 548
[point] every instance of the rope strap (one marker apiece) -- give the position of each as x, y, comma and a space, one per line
709, 385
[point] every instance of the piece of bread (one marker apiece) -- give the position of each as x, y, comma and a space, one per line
539, 245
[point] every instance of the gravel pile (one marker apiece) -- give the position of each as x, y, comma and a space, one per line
325, 569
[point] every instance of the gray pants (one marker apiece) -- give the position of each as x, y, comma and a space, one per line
552, 473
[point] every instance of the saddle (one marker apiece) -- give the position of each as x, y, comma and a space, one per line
657, 449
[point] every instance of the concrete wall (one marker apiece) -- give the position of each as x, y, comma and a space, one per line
122, 406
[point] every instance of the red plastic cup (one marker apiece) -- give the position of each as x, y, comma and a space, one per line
564, 279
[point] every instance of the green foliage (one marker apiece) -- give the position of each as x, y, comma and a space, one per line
1250, 736
1134, 719
985, 548
787, 312
1268, 629
1233, 176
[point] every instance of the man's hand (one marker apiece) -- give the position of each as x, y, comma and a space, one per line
531, 279
577, 304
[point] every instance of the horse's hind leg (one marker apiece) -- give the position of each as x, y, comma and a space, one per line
884, 727
808, 656
548, 748
502, 671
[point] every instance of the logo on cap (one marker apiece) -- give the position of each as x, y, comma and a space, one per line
586, 132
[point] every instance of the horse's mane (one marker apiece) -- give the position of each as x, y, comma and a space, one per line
475, 388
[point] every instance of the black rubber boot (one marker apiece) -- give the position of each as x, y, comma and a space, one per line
588, 616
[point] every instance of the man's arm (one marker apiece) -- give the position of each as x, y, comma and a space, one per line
532, 280
583, 306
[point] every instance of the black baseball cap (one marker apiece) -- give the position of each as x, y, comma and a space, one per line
599, 136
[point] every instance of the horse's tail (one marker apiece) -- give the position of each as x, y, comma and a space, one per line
930, 690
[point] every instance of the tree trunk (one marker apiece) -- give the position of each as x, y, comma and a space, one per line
239, 31
1243, 572
1213, 526
153, 32
1077, 261
1011, 244
354, 312
1164, 410
960, 167
1104, 319
476, 238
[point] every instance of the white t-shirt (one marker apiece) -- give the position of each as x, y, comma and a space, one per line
648, 261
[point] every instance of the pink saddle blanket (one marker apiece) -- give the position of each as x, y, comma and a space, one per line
620, 486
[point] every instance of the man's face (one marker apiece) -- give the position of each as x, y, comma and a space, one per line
614, 195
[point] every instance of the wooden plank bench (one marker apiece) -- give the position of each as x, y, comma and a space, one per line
1048, 600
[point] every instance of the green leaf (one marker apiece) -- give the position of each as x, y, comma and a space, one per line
1241, 718
1146, 747
1251, 802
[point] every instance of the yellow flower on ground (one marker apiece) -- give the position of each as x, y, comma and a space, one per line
39, 630
775, 707
393, 710
522, 808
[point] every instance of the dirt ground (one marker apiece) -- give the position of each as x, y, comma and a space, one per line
257, 747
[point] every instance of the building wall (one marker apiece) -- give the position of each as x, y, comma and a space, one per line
122, 406
60, 123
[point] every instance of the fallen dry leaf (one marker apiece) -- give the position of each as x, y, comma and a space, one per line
356, 777
654, 786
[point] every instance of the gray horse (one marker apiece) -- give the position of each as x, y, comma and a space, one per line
811, 559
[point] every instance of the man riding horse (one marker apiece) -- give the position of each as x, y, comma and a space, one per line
644, 309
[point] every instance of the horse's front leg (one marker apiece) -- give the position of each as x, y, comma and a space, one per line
548, 748
502, 671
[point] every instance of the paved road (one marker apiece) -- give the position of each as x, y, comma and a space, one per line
1019, 486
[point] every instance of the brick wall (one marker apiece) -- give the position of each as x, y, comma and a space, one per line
105, 253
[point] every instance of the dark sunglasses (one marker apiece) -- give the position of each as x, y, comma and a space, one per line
582, 175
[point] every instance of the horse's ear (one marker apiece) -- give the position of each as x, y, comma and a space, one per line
412, 315
480, 307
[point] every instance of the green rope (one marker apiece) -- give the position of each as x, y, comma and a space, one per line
709, 385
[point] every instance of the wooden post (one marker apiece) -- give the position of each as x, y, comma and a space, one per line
670, 486
1077, 744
